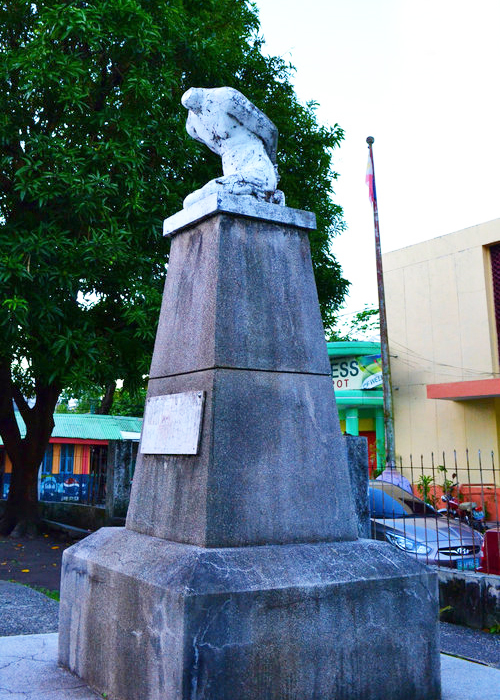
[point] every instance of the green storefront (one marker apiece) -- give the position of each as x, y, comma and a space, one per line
357, 379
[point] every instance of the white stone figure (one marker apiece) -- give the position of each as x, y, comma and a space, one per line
231, 126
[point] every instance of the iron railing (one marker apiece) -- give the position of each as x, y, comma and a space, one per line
444, 511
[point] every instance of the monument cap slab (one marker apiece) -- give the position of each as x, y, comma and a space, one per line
243, 205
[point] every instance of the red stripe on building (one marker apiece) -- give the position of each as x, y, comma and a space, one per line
77, 441
85, 459
456, 391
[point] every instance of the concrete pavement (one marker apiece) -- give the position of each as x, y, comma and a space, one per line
29, 671
470, 644
25, 611
465, 679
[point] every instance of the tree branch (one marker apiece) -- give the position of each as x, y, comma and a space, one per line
43, 410
21, 403
107, 399
5, 183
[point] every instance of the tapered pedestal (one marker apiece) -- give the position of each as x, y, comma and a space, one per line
240, 322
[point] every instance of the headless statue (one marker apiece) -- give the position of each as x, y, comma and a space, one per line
233, 128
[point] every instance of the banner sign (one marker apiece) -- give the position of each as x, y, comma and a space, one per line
357, 373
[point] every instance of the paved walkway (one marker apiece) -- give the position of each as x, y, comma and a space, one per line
465, 680
25, 611
473, 645
29, 671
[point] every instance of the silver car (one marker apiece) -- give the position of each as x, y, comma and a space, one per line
414, 526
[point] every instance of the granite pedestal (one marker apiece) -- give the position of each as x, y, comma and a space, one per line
239, 574
144, 618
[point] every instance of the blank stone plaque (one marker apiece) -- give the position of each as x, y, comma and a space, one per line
172, 424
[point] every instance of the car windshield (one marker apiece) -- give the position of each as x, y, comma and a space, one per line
394, 502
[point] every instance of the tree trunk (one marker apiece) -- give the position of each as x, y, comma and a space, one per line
21, 509
21, 514
107, 400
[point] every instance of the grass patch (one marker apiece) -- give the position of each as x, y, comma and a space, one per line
46, 591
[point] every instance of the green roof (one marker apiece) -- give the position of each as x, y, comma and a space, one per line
339, 348
89, 426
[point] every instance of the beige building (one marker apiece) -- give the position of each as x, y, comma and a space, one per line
443, 311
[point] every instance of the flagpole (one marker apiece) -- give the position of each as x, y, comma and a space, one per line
390, 453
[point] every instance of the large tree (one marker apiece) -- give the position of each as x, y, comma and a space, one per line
94, 155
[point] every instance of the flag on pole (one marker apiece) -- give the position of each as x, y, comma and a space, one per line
370, 179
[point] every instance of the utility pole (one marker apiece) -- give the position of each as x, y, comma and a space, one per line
390, 454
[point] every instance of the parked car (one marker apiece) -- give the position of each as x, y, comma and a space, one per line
416, 528
490, 552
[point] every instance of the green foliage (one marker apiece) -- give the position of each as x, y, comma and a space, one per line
94, 155
362, 325
424, 488
54, 595
126, 403
86, 401
447, 483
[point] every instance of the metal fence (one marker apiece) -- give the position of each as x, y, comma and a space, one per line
88, 489
444, 511
70, 487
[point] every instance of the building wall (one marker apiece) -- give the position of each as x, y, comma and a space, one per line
122, 456
356, 376
441, 329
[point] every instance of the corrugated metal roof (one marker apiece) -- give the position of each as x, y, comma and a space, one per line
89, 426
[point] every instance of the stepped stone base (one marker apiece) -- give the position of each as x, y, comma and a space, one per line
146, 619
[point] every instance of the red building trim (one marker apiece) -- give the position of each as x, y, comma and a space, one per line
462, 391
77, 441
85, 459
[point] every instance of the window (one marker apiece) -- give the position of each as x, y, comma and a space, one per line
495, 274
66, 459
47, 461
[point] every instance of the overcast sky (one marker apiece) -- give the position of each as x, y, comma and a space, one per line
422, 78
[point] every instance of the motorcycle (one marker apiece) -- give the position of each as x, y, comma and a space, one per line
467, 511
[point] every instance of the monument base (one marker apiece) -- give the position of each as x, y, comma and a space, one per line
143, 618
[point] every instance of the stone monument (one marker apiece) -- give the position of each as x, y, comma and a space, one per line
239, 574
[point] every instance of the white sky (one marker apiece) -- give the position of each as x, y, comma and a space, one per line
421, 77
